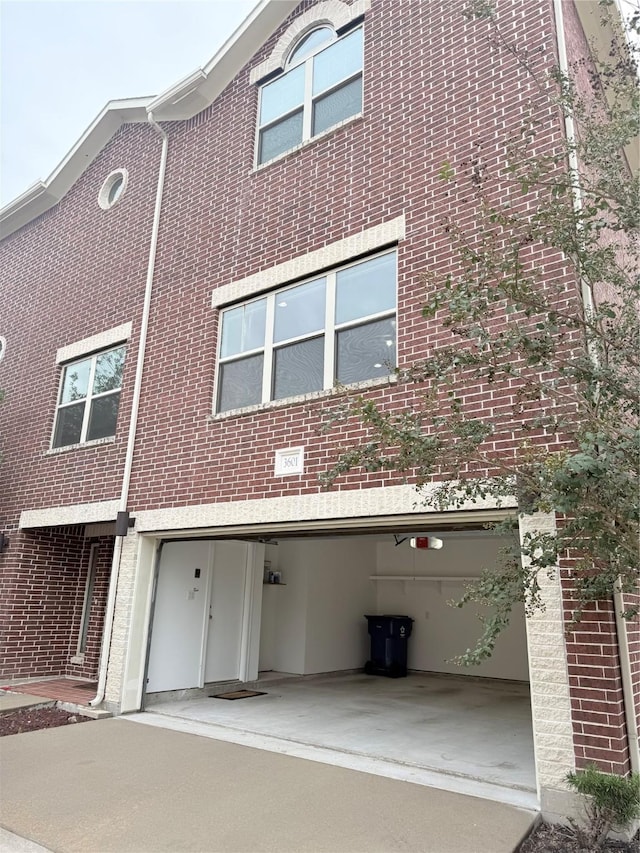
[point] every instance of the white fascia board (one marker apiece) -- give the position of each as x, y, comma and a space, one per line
200, 89
44, 194
182, 101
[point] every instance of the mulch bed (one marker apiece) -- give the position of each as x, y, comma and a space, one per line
33, 719
560, 839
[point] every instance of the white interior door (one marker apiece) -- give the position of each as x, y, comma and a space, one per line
176, 656
226, 607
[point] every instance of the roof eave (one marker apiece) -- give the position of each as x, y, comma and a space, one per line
45, 194
200, 89
182, 101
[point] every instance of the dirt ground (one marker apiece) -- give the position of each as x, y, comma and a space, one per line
560, 839
32, 719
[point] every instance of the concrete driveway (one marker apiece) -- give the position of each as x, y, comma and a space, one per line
114, 785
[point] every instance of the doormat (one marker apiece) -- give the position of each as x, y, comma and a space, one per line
238, 694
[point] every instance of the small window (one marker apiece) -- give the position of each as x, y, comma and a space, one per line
113, 189
3, 347
339, 327
89, 588
89, 398
321, 87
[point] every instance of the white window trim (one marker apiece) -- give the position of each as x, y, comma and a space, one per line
309, 99
103, 340
88, 400
328, 333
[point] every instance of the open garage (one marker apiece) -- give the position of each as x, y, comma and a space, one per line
287, 617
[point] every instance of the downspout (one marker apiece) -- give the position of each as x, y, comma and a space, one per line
133, 422
570, 130
588, 305
627, 681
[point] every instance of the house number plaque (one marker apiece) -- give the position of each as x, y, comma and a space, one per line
289, 461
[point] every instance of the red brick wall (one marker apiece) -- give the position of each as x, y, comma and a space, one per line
595, 683
595, 687
435, 91
426, 101
76, 271
41, 597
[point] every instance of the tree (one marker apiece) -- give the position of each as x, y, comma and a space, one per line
559, 351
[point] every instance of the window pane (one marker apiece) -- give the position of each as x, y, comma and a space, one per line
243, 328
338, 61
68, 425
76, 380
240, 383
116, 190
312, 42
281, 137
365, 352
108, 375
103, 416
299, 310
298, 368
282, 96
337, 106
366, 288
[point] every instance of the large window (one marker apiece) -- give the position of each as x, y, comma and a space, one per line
336, 328
321, 87
89, 398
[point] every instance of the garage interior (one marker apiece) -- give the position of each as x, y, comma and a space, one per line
462, 729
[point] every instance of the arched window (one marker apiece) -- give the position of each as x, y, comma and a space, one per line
311, 43
321, 86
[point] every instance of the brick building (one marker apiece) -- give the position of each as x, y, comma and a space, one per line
181, 297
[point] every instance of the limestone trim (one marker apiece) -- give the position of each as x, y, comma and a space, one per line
340, 509
549, 677
305, 265
332, 12
102, 340
57, 516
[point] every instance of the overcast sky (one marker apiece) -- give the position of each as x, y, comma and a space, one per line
62, 60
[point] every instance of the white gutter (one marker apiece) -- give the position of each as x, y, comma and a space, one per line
133, 423
587, 300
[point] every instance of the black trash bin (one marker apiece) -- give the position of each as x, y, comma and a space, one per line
389, 635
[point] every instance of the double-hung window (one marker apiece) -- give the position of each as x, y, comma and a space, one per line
337, 328
321, 87
89, 398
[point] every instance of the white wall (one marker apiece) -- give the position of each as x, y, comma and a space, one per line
287, 603
440, 631
315, 622
340, 593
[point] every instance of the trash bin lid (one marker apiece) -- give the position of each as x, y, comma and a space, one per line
388, 616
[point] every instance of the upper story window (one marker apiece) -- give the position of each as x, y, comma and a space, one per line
89, 398
338, 327
321, 87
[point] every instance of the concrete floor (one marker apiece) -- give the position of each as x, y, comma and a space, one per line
116, 787
461, 734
